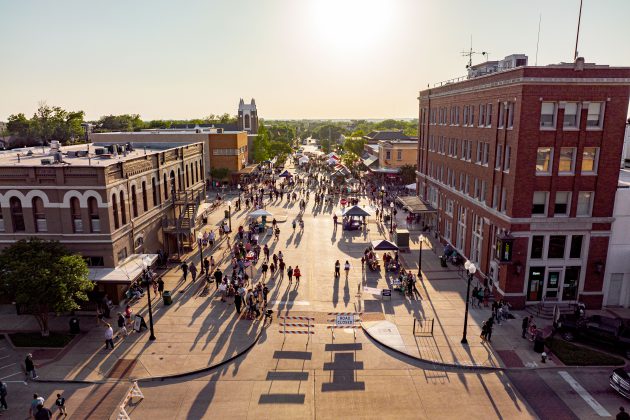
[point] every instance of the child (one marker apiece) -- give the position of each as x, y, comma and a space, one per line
60, 402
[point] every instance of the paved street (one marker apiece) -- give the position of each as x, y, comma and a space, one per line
314, 376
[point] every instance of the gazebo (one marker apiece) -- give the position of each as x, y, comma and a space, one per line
352, 217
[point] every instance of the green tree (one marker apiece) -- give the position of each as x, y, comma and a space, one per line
124, 122
408, 174
261, 145
354, 145
325, 144
219, 174
349, 159
43, 276
20, 126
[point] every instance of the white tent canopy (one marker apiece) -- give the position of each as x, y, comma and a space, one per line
304, 159
259, 213
411, 187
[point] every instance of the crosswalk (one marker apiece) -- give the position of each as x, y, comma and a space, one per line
10, 367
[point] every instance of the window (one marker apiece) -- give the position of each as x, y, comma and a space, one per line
461, 228
498, 159
486, 152
590, 156
388, 154
115, 211
477, 190
225, 152
75, 214
165, 186
548, 115
495, 197
476, 242
576, 246
538, 243
479, 152
556, 246
447, 230
123, 210
506, 162
482, 196
539, 203
489, 115
567, 160
17, 214
585, 203
449, 207
503, 200
501, 121
594, 117
471, 117
467, 185
145, 204
155, 192
465, 116
399, 155
94, 261
134, 201
95, 220
122, 254
561, 206
543, 160
39, 215
482, 115
510, 116
571, 117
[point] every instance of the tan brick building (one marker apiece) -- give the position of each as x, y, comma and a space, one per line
396, 153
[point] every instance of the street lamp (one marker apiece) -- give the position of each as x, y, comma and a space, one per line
229, 203
200, 243
391, 217
421, 239
382, 197
238, 187
471, 268
147, 282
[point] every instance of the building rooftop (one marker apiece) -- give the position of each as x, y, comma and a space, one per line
387, 135
95, 154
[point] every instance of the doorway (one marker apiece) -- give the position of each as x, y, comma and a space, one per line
614, 290
535, 285
554, 278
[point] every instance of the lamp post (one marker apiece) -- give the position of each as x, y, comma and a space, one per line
421, 239
382, 197
200, 243
238, 187
229, 203
391, 217
147, 282
471, 268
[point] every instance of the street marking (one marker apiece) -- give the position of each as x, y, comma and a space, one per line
597, 407
18, 373
3, 357
531, 364
293, 302
6, 366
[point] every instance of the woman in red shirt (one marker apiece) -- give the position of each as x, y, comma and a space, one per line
297, 274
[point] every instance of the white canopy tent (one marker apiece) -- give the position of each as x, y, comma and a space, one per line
411, 187
259, 213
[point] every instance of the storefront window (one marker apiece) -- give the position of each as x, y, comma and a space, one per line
571, 281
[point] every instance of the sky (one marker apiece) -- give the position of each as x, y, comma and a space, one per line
298, 58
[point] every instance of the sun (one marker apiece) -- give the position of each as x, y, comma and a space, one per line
349, 24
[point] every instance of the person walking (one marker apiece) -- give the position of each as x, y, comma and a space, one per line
60, 402
473, 295
109, 336
218, 275
37, 401
266, 252
293, 224
337, 268
206, 266
290, 274
489, 324
297, 274
30, 367
43, 413
3, 395
281, 266
264, 267
346, 268
622, 415
160, 286
238, 301
184, 268
193, 271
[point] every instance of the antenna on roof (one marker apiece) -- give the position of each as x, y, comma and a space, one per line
538, 38
469, 54
577, 36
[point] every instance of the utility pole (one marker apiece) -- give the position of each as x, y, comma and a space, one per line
577, 36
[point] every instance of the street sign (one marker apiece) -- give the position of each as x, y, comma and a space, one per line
344, 320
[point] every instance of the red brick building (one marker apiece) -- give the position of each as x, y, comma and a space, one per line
522, 166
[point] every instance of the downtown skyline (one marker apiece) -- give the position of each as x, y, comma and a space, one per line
315, 59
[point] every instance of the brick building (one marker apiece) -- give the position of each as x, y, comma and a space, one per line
113, 205
522, 166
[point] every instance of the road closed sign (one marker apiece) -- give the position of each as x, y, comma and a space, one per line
344, 320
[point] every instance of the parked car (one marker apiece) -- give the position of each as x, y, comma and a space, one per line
597, 330
620, 382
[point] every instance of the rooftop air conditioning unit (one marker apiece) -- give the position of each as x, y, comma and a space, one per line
72, 154
99, 151
47, 161
82, 153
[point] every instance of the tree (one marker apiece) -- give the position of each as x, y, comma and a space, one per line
354, 145
219, 173
325, 144
43, 276
261, 145
124, 122
408, 174
349, 159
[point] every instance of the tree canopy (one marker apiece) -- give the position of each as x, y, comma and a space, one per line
44, 277
408, 174
48, 123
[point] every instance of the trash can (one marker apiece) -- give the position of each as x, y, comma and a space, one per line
74, 325
539, 344
166, 296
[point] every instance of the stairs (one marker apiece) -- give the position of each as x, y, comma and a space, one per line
544, 310
187, 216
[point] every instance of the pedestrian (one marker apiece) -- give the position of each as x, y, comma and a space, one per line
489, 324
264, 267
238, 300
3, 396
272, 270
184, 268
346, 268
622, 415
37, 401
121, 320
337, 268
473, 296
109, 336
297, 274
193, 271
265, 293
60, 402
524, 326
211, 238
160, 286
293, 224
266, 252
479, 297
290, 274
281, 266
30, 367
277, 234
217, 277
43, 413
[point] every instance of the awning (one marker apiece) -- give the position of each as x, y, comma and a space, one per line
260, 213
247, 170
126, 272
385, 170
370, 161
411, 187
384, 245
415, 204
356, 211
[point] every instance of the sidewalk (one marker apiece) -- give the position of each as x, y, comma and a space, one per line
442, 302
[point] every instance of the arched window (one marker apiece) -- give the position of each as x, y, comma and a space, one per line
95, 219
165, 186
196, 171
156, 193
39, 216
187, 180
17, 215
173, 183
134, 202
179, 180
246, 120
75, 215
123, 210
145, 205
115, 211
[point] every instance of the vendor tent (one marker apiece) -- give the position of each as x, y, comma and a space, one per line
356, 211
411, 187
285, 174
384, 245
259, 213
304, 159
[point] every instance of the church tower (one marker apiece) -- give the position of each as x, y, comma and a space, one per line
248, 117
